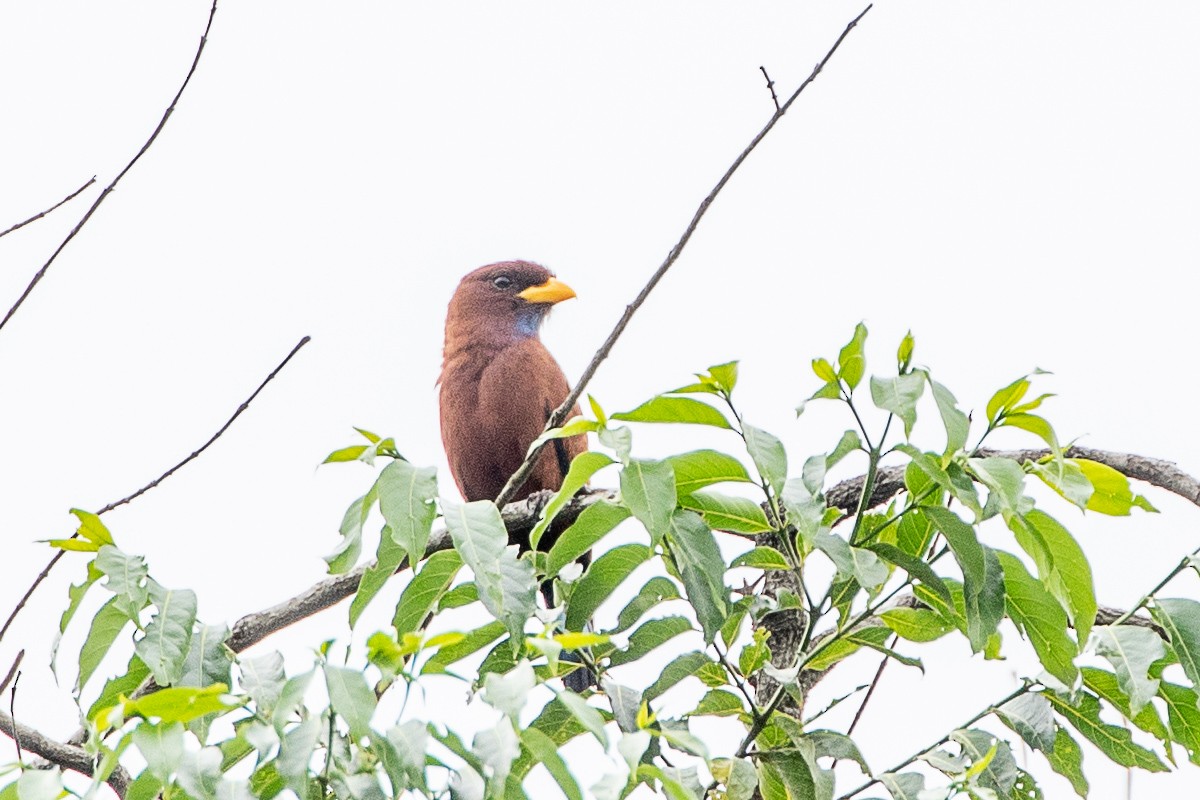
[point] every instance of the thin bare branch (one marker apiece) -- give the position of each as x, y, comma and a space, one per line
38, 216
12, 670
194, 455
770, 87
560, 414
41, 273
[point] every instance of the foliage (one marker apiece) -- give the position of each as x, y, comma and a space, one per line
862, 579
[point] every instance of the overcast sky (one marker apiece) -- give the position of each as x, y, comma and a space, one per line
1017, 183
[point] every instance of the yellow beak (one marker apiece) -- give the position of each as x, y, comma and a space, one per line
552, 291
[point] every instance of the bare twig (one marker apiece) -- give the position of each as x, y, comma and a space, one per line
12, 710
12, 670
41, 273
195, 454
38, 216
770, 87
559, 414
69, 757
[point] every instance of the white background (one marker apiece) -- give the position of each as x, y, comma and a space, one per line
1016, 183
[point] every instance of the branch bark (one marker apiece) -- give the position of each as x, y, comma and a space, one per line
66, 756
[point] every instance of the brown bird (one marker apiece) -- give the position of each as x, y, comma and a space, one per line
499, 383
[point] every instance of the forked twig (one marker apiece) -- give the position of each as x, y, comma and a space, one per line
195, 454
41, 273
39, 215
559, 415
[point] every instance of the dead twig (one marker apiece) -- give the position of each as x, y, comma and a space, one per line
41, 273
38, 216
194, 455
559, 415
770, 87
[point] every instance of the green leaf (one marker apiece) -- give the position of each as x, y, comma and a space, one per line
675, 409
350, 453
648, 489
983, 580
125, 684
406, 501
761, 557
916, 624
388, 558
38, 784
1006, 398
1067, 760
656, 591
351, 698
694, 552
725, 512
719, 703
1031, 716
768, 455
597, 584
700, 468
346, 554
953, 419
1005, 480
824, 370
425, 589
1000, 773
904, 352
899, 396
1106, 685
1111, 492
169, 634
1183, 716
126, 578
506, 583
852, 363
1040, 617
1065, 477
545, 752
263, 678
1114, 741
1180, 618
91, 528
475, 641
681, 667
652, 633
829, 654
587, 716
583, 467
1131, 651
181, 703
1036, 425
914, 566
593, 524
903, 785
106, 626
162, 747
861, 564
724, 375
1061, 565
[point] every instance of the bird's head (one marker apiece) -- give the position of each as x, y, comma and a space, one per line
502, 302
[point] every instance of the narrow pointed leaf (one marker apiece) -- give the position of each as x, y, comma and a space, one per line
424, 591
648, 489
596, 522
701, 468
583, 467
699, 561
597, 584
675, 409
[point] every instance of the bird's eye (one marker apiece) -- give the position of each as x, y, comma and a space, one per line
502, 282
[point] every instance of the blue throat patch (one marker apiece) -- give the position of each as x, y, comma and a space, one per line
528, 321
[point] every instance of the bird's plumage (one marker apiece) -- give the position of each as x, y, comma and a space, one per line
499, 383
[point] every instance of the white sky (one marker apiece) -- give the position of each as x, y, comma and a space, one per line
1017, 184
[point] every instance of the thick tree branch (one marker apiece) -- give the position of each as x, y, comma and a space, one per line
559, 415
41, 214
41, 273
66, 756
195, 454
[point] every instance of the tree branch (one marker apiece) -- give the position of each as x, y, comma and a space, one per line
559, 415
195, 454
41, 273
67, 756
38, 216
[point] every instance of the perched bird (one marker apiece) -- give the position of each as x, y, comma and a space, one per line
499, 383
